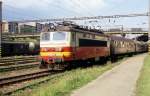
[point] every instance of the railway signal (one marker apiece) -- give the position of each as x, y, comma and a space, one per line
149, 27
0, 25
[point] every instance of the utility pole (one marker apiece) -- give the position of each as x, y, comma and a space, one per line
122, 30
0, 28
149, 26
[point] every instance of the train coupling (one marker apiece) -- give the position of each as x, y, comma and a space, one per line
55, 60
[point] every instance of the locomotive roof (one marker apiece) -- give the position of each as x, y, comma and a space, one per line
76, 28
79, 29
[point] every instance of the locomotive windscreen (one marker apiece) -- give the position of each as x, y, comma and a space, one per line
54, 36
45, 37
59, 36
55, 39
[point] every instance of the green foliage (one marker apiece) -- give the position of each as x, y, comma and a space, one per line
64, 85
28, 29
143, 84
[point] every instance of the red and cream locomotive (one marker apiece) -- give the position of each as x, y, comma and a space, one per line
70, 44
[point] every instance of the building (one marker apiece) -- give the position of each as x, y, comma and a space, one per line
5, 27
115, 30
13, 27
47, 27
44, 27
27, 29
136, 30
39, 27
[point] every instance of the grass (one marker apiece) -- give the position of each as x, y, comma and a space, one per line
64, 85
143, 84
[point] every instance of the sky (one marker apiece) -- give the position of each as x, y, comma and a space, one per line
43, 9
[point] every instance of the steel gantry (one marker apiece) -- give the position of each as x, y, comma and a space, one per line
83, 18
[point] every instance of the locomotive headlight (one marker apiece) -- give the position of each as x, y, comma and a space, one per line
58, 49
44, 49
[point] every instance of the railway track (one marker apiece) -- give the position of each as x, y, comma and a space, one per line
15, 79
9, 81
17, 63
26, 86
8, 61
18, 67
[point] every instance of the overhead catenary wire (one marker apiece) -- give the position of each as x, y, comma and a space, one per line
87, 18
86, 8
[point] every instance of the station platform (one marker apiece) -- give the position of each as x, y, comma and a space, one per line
120, 81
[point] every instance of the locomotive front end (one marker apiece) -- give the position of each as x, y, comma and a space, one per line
55, 47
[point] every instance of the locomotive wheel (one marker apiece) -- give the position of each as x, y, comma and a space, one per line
42, 65
68, 66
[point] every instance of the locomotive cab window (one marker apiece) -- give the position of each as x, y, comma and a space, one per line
45, 36
59, 36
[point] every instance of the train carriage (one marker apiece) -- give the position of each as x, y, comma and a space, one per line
19, 48
141, 47
121, 46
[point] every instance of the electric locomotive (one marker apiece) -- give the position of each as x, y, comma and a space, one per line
67, 44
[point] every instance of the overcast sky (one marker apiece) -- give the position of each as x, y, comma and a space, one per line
35, 9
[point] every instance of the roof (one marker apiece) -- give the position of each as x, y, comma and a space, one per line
121, 38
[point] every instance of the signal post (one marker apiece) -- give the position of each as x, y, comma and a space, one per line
149, 30
0, 28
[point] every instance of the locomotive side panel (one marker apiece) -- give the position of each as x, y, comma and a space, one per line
91, 46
